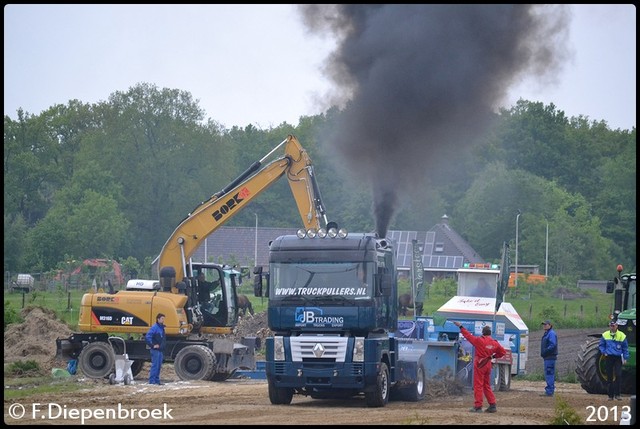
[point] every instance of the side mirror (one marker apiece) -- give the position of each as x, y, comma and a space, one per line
257, 285
383, 282
611, 286
386, 284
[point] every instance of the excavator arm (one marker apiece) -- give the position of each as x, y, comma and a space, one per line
222, 206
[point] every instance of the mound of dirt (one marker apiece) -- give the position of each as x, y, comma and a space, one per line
35, 338
252, 326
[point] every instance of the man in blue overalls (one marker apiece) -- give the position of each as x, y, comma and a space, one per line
549, 352
156, 340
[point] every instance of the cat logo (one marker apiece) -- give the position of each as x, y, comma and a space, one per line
127, 320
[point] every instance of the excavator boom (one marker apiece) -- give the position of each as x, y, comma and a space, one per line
222, 206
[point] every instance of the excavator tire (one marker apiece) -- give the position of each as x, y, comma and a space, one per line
136, 367
590, 368
196, 362
97, 360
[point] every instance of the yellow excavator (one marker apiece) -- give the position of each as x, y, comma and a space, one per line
197, 299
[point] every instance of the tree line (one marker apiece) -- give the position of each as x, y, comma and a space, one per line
113, 179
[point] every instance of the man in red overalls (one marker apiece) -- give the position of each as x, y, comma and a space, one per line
486, 348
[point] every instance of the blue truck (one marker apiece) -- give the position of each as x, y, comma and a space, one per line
333, 311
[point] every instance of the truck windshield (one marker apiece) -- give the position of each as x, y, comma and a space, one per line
350, 280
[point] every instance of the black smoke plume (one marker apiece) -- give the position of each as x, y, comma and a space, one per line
418, 83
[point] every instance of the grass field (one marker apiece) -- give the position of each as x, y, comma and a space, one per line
568, 308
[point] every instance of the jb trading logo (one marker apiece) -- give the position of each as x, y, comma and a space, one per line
304, 315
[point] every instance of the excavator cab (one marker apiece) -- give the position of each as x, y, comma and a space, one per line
215, 297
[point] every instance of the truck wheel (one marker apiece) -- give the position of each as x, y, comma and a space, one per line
127, 380
505, 378
195, 362
112, 378
136, 367
97, 360
280, 395
590, 368
415, 393
379, 397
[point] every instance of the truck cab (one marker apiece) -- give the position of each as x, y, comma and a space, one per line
333, 311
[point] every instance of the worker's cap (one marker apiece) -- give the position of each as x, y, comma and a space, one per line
612, 323
546, 322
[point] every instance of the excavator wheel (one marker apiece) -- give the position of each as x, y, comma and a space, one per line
136, 367
196, 362
97, 360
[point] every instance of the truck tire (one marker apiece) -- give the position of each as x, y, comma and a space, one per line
196, 362
97, 360
280, 395
590, 368
505, 378
415, 392
379, 397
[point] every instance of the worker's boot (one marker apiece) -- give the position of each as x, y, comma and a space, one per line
475, 409
491, 409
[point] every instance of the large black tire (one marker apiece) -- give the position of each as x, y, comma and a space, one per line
590, 368
195, 362
379, 397
280, 395
505, 377
136, 367
97, 360
415, 392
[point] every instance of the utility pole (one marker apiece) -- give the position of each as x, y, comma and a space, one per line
516, 268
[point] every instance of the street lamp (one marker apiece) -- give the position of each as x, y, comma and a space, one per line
255, 255
546, 254
516, 268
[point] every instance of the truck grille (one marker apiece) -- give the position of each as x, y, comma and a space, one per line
318, 348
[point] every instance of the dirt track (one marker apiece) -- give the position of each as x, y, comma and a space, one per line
246, 402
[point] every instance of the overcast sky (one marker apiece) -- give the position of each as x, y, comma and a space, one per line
256, 64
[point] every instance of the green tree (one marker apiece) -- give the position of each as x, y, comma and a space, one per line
486, 214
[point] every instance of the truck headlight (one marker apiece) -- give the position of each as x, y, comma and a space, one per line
278, 348
358, 350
